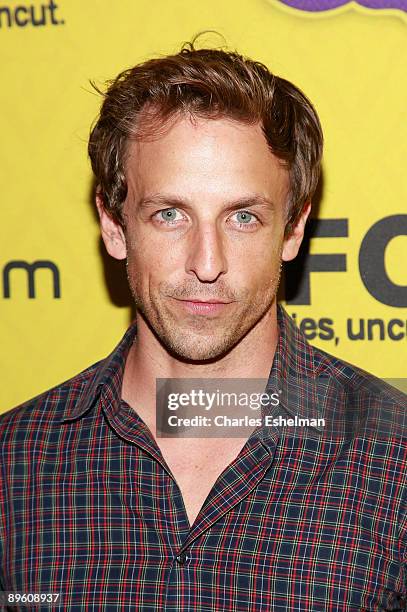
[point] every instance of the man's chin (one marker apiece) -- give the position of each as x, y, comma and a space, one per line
198, 348
194, 338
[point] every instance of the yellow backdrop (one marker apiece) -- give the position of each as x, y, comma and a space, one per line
351, 62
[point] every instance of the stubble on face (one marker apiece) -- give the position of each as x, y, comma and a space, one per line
198, 337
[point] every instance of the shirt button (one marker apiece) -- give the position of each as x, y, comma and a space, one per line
182, 558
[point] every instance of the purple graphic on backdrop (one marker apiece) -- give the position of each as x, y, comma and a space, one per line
316, 6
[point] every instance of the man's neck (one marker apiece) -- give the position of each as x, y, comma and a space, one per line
147, 360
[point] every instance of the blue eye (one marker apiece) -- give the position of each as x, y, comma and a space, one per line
168, 215
246, 219
244, 216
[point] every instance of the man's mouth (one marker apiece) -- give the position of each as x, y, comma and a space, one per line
199, 306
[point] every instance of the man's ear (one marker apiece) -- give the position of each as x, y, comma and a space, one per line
293, 241
112, 232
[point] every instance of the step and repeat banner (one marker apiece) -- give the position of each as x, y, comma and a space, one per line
64, 302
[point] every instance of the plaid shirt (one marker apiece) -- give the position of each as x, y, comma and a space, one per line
90, 509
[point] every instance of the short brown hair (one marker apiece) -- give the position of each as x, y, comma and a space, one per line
206, 83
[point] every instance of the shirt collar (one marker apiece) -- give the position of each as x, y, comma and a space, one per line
107, 375
293, 373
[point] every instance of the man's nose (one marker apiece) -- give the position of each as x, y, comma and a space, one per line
206, 256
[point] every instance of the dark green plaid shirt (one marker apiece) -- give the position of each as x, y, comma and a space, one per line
317, 521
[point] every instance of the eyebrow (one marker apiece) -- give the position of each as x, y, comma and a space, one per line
174, 201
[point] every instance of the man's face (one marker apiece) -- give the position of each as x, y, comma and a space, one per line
205, 217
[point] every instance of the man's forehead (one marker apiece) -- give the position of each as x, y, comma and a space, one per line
193, 130
157, 131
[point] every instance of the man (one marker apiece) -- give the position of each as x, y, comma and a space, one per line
205, 165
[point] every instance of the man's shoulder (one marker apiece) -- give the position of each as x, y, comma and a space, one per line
49, 406
354, 379
309, 363
357, 401
71, 398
